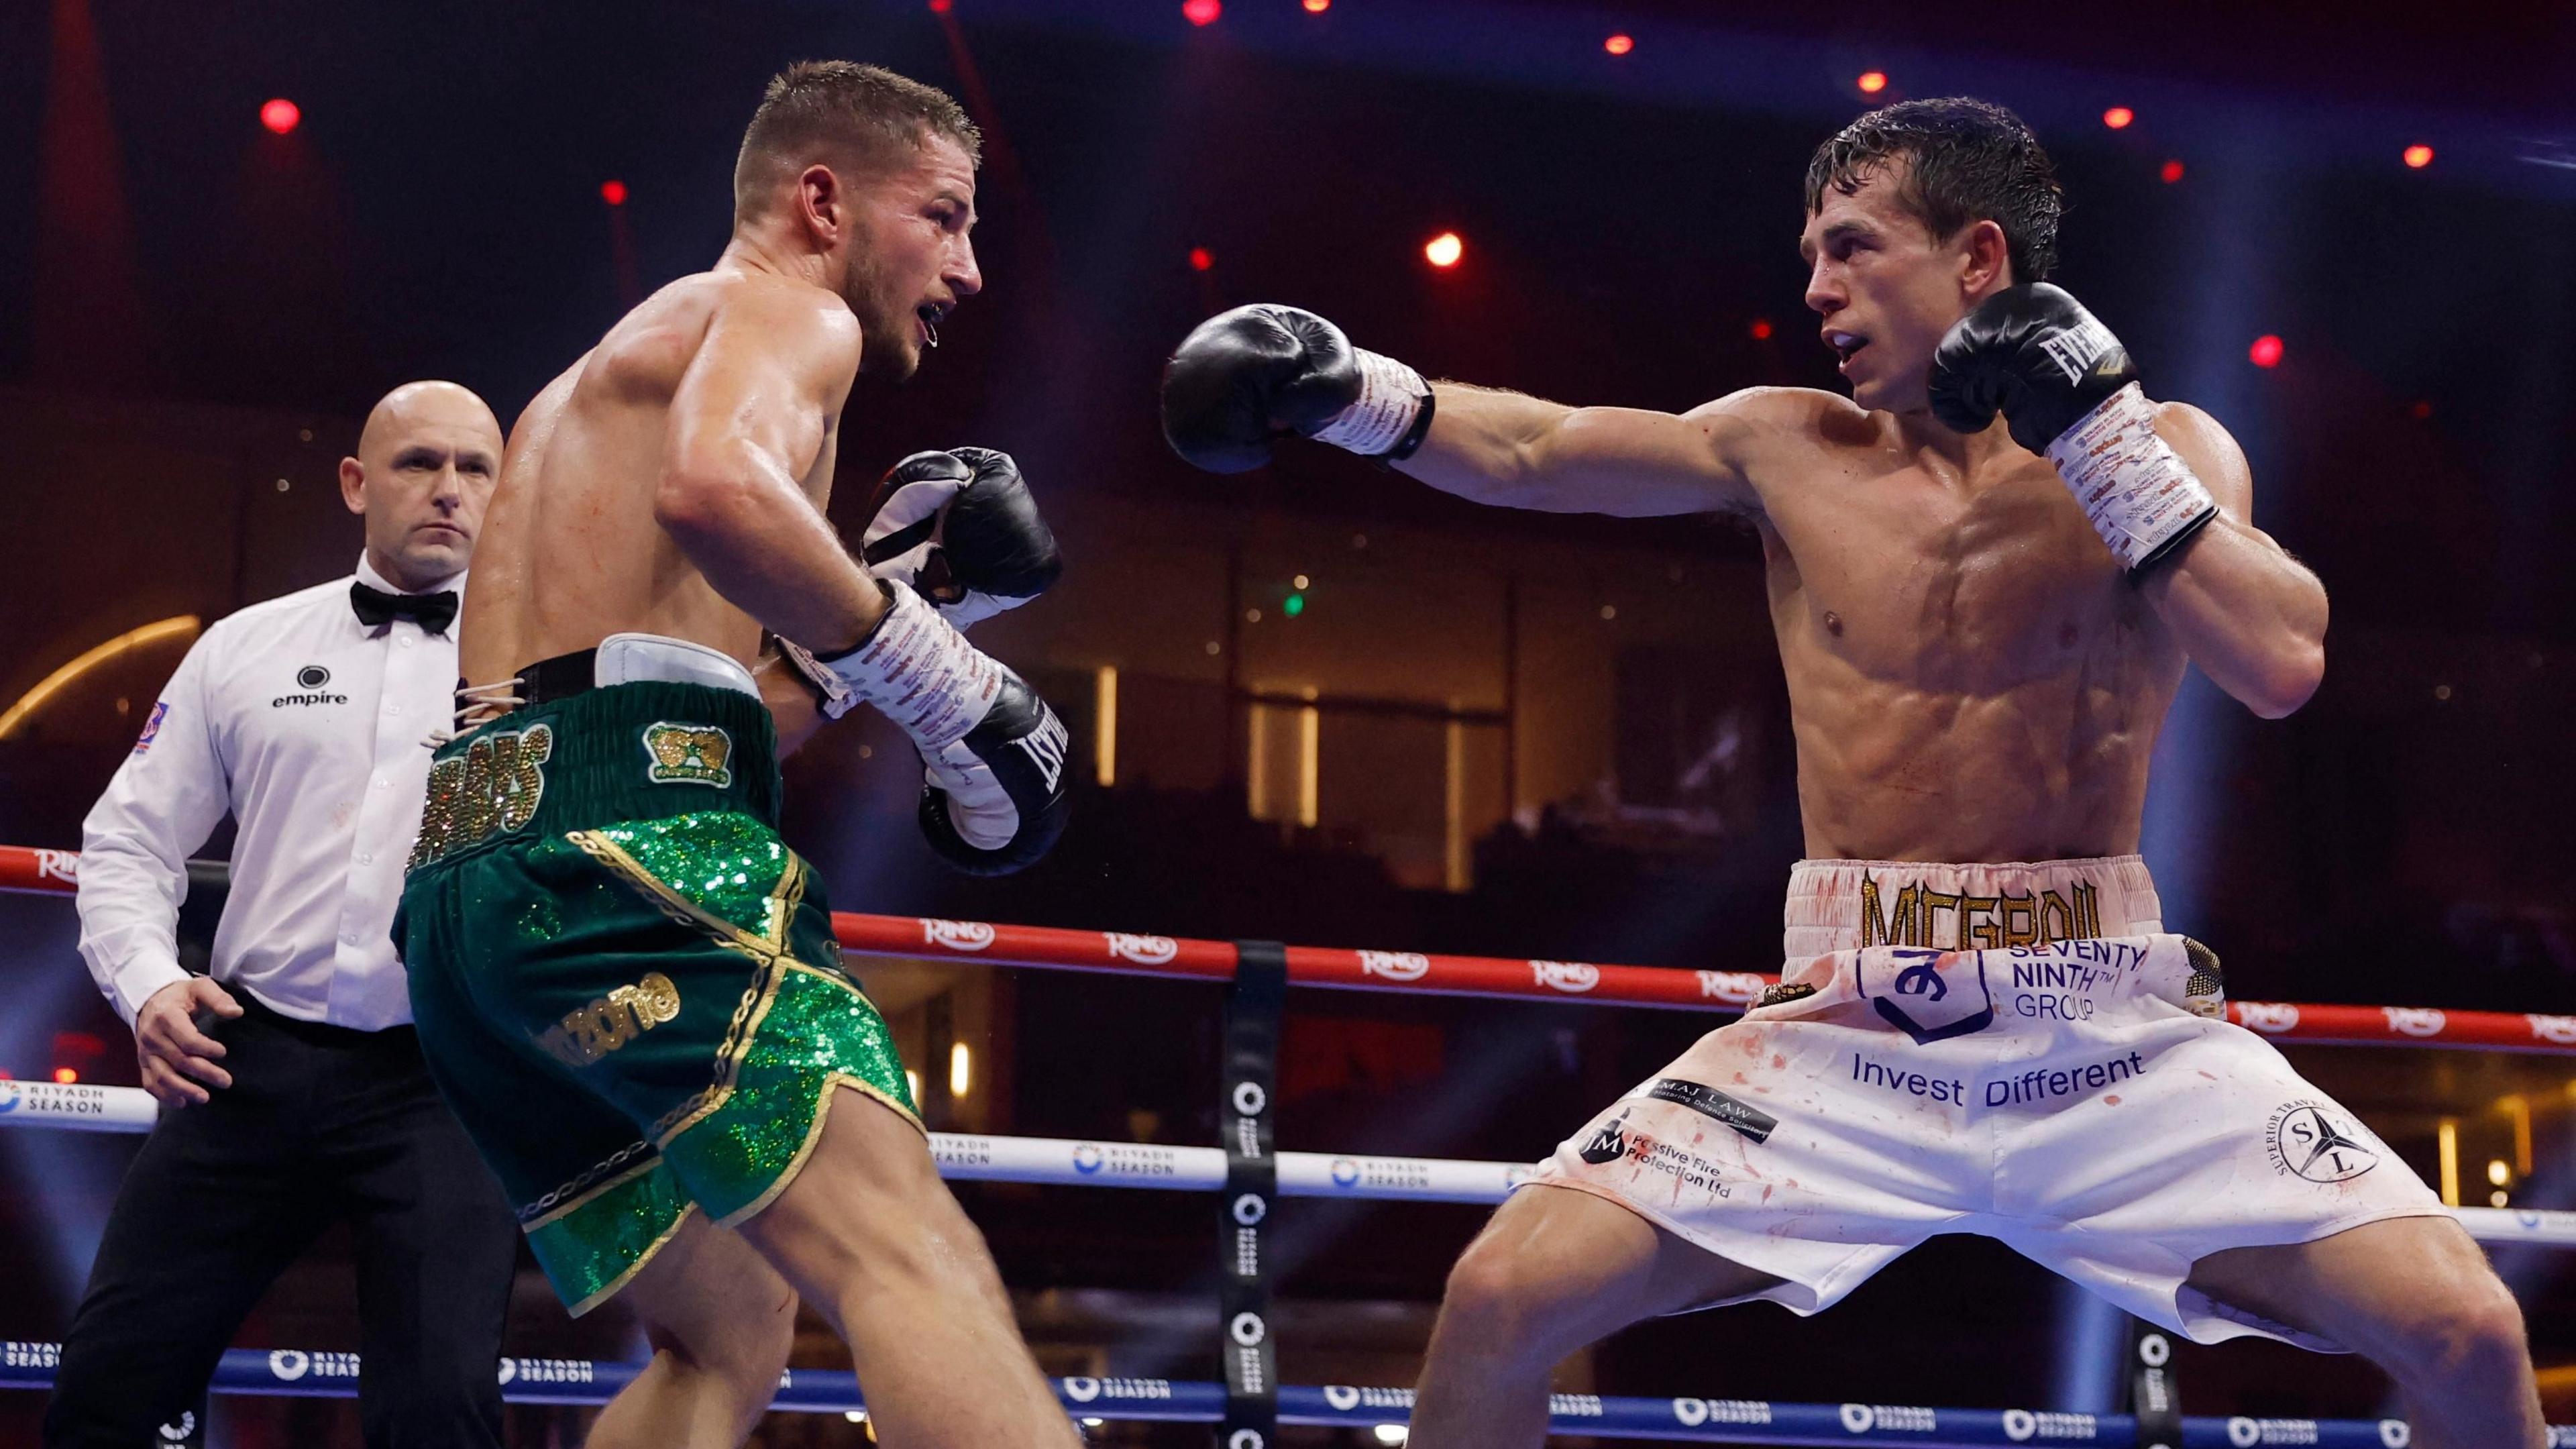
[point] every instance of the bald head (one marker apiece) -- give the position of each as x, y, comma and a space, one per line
427, 460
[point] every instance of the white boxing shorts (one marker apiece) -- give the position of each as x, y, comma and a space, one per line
2017, 1051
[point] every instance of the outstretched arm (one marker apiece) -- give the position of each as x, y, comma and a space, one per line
1247, 378
1516, 451
749, 421
2252, 617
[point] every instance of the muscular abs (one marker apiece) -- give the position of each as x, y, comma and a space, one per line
1971, 676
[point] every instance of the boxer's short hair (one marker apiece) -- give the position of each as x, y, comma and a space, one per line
1965, 161
865, 112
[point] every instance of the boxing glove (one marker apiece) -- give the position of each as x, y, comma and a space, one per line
993, 752
1244, 379
2068, 391
961, 529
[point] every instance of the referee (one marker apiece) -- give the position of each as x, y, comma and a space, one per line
293, 1089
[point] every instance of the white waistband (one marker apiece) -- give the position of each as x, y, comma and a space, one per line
631, 658
1837, 905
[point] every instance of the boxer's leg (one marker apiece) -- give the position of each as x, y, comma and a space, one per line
871, 1237
2414, 1296
1555, 1270
721, 1322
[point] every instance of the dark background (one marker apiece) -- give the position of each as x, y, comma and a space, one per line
193, 312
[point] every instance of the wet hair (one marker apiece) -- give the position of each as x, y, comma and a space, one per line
1966, 161
864, 113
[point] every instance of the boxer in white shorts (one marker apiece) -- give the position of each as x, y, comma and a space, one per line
2077, 1094
1987, 570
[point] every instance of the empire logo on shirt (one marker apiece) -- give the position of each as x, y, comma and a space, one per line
310, 680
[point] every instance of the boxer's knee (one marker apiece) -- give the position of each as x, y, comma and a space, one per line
1510, 1304
2473, 1333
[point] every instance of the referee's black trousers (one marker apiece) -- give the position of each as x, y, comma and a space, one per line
320, 1124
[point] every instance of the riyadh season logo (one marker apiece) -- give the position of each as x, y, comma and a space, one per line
2249, 1433
1691, 1413
2021, 1426
178, 1433
1087, 1158
1343, 1398
1889, 1418
957, 935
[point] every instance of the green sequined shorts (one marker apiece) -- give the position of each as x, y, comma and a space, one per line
626, 986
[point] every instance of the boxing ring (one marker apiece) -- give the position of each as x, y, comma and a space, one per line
1249, 1175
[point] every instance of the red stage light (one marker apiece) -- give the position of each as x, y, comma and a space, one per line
2422, 409
938, 7
1201, 259
66, 1075
1202, 12
2266, 351
1871, 82
1318, 7
2172, 172
2118, 117
1619, 45
1761, 328
2419, 156
1444, 250
281, 115
613, 192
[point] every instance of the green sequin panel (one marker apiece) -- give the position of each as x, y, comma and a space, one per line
586, 1251
723, 862
817, 1026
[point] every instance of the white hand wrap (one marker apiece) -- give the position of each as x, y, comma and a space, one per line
920, 672
1391, 396
2139, 495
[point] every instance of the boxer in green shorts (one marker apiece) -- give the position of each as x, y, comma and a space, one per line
604, 919
625, 983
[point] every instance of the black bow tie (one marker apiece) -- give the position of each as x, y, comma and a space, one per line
376, 608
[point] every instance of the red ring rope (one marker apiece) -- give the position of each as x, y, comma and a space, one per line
1055, 948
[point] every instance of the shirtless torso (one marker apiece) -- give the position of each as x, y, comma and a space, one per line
580, 549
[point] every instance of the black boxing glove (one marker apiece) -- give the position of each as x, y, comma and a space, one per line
994, 801
1246, 378
2068, 391
961, 529
994, 753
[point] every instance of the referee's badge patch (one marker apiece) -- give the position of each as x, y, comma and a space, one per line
152, 725
688, 754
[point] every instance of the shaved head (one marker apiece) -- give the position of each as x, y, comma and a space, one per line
426, 464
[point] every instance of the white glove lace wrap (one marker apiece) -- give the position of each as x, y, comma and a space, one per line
920, 673
2138, 493
1391, 397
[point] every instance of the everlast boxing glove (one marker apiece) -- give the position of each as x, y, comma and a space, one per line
2068, 391
1246, 378
993, 800
961, 529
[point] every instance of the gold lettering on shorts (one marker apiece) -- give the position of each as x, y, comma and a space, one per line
1977, 923
493, 786
606, 1023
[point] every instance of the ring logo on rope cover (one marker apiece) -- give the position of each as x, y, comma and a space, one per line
1394, 965
1248, 1329
2414, 1020
2271, 1017
1572, 977
2560, 1030
1143, 950
1738, 988
956, 935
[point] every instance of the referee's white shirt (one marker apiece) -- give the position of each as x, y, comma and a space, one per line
311, 730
